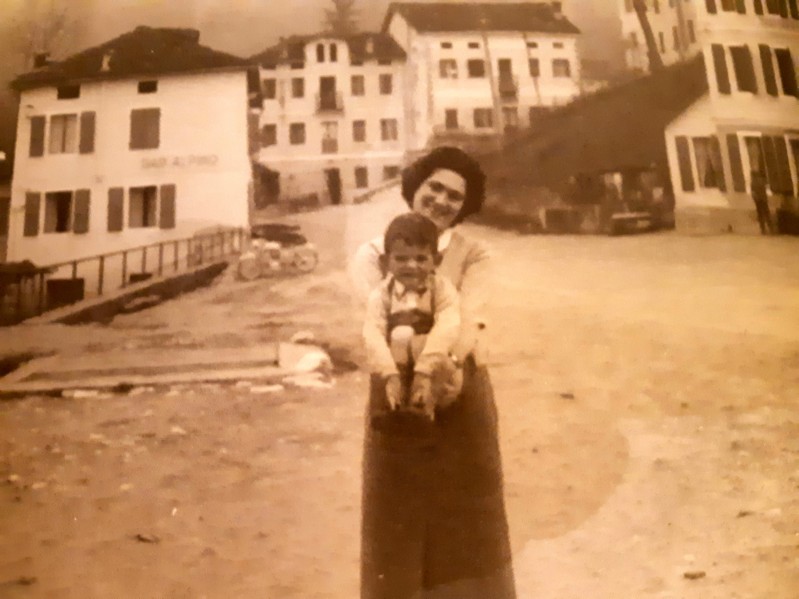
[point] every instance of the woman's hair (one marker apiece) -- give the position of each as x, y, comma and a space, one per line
414, 229
453, 159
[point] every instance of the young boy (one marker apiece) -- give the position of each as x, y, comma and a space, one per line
412, 319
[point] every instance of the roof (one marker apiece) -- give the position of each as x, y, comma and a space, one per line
143, 51
292, 49
615, 129
482, 16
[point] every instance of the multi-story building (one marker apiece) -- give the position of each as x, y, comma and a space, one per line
140, 140
482, 68
674, 28
748, 120
332, 122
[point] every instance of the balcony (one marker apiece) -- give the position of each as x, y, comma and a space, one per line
329, 146
329, 102
508, 88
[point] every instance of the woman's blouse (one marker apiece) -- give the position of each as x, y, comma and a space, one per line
465, 262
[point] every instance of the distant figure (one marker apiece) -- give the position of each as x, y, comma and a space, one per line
760, 197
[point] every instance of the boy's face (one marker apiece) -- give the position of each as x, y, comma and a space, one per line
411, 265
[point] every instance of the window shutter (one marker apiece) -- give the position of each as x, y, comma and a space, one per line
167, 217
684, 160
771, 164
116, 206
787, 71
711, 6
784, 9
783, 167
736, 165
794, 9
759, 7
720, 65
744, 68
86, 132
718, 162
741, 6
82, 203
37, 136
32, 206
768, 70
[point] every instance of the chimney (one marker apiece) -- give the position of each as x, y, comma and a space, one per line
41, 60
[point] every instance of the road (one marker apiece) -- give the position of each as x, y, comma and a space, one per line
649, 427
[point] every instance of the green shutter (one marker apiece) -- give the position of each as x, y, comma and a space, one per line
86, 132
116, 209
81, 214
37, 136
32, 207
768, 70
167, 202
736, 165
720, 65
684, 161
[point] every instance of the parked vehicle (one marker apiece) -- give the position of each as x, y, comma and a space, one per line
276, 248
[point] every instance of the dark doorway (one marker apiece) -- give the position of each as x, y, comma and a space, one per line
333, 177
327, 93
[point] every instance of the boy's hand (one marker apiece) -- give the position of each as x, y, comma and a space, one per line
422, 394
393, 391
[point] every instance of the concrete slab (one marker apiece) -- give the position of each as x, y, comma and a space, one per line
156, 367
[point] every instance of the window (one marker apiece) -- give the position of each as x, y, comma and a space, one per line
561, 67
384, 61
684, 162
357, 85
148, 87
676, 38
451, 118
446, 45
63, 134
329, 137
474, 44
728, 5
476, 68
388, 129
535, 67
720, 66
270, 89
558, 45
390, 172
768, 70
448, 68
532, 44
320, 52
744, 68
142, 204
268, 135
297, 87
145, 128
297, 133
510, 116
787, 71
358, 130
483, 117
385, 84
58, 212
773, 6
708, 161
662, 42
68, 92
361, 177
333, 52
691, 32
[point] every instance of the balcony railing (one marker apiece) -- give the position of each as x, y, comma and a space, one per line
329, 146
508, 87
329, 102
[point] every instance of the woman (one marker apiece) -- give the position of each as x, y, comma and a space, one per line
433, 520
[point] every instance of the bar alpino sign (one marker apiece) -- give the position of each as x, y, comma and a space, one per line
189, 161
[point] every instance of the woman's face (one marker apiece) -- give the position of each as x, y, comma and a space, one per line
440, 197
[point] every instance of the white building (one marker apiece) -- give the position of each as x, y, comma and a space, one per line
332, 123
674, 28
749, 119
479, 69
140, 140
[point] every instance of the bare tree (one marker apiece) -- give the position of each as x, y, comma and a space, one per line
655, 61
42, 27
342, 18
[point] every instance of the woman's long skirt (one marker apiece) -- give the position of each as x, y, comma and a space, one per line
433, 520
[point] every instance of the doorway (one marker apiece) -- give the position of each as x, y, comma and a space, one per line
327, 93
333, 177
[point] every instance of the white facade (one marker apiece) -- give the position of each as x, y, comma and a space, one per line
198, 156
748, 120
481, 83
330, 127
674, 25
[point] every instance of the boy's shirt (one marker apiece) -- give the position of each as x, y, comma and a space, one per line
440, 297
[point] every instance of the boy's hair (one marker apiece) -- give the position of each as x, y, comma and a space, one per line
414, 229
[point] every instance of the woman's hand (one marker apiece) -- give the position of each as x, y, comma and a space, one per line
447, 382
393, 391
422, 394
